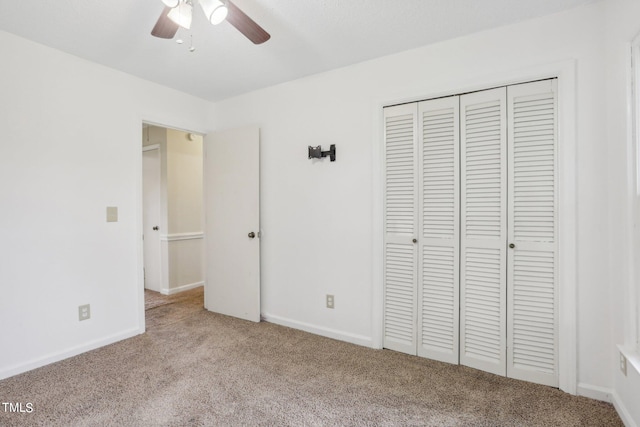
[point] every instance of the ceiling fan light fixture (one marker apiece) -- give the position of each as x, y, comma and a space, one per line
182, 14
215, 10
171, 3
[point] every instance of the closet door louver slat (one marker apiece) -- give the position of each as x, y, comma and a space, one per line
532, 333
401, 227
439, 249
483, 230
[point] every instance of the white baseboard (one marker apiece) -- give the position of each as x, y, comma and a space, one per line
181, 288
610, 396
74, 351
319, 330
595, 392
624, 414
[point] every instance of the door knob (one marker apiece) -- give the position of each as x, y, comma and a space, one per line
415, 240
511, 245
155, 228
252, 235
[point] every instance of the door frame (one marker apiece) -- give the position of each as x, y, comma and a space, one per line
164, 122
146, 148
565, 72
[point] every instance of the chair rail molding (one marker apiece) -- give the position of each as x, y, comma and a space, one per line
182, 236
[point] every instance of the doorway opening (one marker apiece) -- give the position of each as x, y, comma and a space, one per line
172, 219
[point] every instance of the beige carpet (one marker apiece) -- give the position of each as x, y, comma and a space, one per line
154, 299
196, 368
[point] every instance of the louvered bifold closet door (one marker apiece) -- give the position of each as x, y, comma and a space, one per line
439, 241
532, 336
401, 227
483, 230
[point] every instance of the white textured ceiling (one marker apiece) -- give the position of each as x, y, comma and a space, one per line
307, 36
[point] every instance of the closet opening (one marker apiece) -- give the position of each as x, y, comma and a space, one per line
471, 230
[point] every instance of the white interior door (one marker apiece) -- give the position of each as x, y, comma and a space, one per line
232, 222
151, 218
400, 227
483, 230
532, 321
439, 242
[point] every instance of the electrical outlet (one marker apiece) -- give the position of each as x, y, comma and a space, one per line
330, 301
84, 312
112, 214
623, 364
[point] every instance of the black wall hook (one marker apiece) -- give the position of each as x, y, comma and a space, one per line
317, 153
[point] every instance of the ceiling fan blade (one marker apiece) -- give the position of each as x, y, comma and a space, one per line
165, 28
246, 25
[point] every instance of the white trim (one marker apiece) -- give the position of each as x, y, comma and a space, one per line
139, 226
622, 410
632, 322
181, 236
182, 288
595, 392
377, 232
319, 330
567, 228
159, 121
151, 147
65, 354
565, 71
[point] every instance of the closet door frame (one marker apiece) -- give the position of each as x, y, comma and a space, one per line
565, 72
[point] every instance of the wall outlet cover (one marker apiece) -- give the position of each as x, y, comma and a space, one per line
330, 301
84, 312
112, 214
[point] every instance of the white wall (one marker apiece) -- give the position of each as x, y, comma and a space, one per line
181, 230
184, 186
622, 26
152, 135
317, 216
71, 147
185, 244
60, 167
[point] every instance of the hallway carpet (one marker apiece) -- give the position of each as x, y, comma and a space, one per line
197, 368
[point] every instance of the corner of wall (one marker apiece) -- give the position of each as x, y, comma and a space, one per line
58, 356
626, 392
595, 392
320, 330
622, 410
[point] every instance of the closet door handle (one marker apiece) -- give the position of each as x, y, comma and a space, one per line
511, 245
415, 240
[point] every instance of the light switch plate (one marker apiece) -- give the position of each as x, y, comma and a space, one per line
112, 214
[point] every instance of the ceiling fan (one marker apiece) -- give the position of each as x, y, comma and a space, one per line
178, 13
